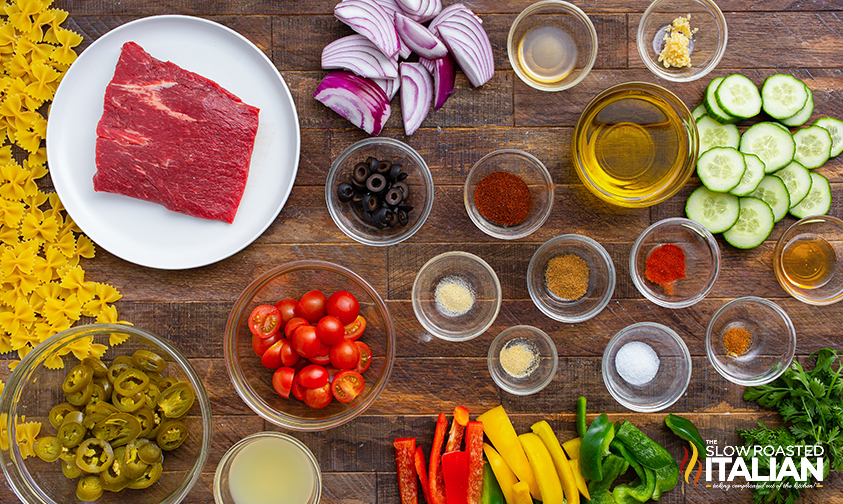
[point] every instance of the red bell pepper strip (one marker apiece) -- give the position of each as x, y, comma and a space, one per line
421, 470
455, 470
457, 429
437, 481
474, 448
405, 449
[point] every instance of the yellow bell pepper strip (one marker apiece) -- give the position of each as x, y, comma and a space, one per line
405, 449
613, 467
595, 446
563, 468
543, 468
506, 478
501, 433
652, 455
521, 493
457, 429
581, 486
492, 493
421, 471
436, 480
582, 425
572, 448
474, 448
455, 470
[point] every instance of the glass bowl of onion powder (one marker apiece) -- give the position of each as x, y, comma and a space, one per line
522, 360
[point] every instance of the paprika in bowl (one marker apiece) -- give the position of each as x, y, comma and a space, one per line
508, 194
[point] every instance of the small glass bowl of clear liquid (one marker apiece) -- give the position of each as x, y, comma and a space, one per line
808, 260
552, 45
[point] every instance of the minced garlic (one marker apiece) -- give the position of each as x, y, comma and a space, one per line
677, 43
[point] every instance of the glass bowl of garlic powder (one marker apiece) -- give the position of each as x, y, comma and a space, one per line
522, 360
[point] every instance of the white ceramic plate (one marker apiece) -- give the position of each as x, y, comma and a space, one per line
145, 233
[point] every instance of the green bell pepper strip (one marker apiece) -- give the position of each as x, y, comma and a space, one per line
595, 446
621, 450
492, 493
639, 490
686, 430
613, 467
652, 455
582, 425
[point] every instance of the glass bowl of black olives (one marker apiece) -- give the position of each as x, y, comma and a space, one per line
379, 191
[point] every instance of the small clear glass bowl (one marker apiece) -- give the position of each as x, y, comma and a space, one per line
708, 43
529, 169
772, 346
541, 372
601, 279
702, 262
33, 390
565, 19
348, 216
670, 381
307, 464
802, 241
471, 271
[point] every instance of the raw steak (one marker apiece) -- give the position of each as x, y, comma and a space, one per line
173, 137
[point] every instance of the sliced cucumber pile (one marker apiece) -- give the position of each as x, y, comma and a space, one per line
713, 134
797, 181
773, 144
754, 225
716, 211
751, 177
721, 168
773, 192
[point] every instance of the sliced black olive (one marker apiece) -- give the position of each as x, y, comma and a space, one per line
393, 173
405, 189
382, 216
370, 203
401, 176
368, 217
361, 172
345, 192
390, 218
373, 164
394, 196
358, 197
402, 217
406, 208
376, 183
384, 167
358, 186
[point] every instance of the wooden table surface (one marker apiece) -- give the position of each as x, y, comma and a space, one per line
803, 38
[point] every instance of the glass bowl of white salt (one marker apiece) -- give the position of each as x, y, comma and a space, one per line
646, 367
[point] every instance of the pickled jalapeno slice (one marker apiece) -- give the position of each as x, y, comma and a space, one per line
128, 404
146, 418
113, 479
130, 382
133, 466
89, 488
150, 476
149, 452
176, 400
94, 418
151, 396
166, 383
48, 448
116, 369
70, 469
81, 397
94, 455
118, 429
58, 413
149, 361
96, 365
77, 379
171, 434
71, 431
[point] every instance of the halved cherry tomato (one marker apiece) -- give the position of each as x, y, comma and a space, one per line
323, 358
265, 321
293, 324
272, 357
313, 376
311, 306
330, 330
305, 341
345, 354
355, 329
297, 390
318, 398
287, 308
261, 345
344, 306
289, 357
365, 357
282, 381
347, 385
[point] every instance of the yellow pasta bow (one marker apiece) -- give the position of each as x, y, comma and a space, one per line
67, 40
17, 258
74, 280
44, 229
55, 309
26, 432
12, 320
11, 212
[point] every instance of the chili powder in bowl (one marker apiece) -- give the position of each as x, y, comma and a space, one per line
508, 194
675, 262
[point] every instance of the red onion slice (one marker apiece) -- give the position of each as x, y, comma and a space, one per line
470, 46
389, 6
357, 99
361, 56
418, 38
416, 93
446, 13
444, 75
420, 10
389, 86
429, 64
369, 19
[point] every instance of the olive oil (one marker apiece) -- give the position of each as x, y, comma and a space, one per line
547, 54
808, 261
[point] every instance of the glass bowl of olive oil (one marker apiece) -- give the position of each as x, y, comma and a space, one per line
635, 144
808, 260
552, 45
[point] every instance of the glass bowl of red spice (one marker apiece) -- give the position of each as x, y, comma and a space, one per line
750, 341
675, 262
508, 194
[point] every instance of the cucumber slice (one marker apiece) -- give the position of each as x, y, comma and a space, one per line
797, 179
755, 223
783, 96
771, 142
715, 211
751, 177
698, 111
774, 193
818, 200
711, 105
721, 168
835, 129
714, 134
813, 146
803, 115
738, 97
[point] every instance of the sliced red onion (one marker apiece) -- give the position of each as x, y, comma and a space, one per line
418, 38
369, 19
390, 6
444, 75
429, 64
446, 13
403, 50
361, 56
416, 93
468, 43
389, 86
357, 99
420, 10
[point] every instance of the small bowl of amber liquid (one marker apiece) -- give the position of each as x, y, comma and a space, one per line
807, 260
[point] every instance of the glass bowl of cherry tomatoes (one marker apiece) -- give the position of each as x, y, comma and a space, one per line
309, 345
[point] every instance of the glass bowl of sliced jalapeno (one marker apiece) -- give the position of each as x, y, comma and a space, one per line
106, 413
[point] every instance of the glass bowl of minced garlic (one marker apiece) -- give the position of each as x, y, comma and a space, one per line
682, 40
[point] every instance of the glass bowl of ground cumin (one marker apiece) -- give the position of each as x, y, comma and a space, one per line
675, 262
508, 194
522, 360
571, 278
750, 341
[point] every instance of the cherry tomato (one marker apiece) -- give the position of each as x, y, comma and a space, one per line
282, 381
365, 357
313, 376
289, 357
344, 306
311, 306
260, 345
347, 385
345, 355
323, 358
355, 329
297, 390
265, 321
318, 398
272, 357
286, 307
293, 324
305, 341
330, 330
